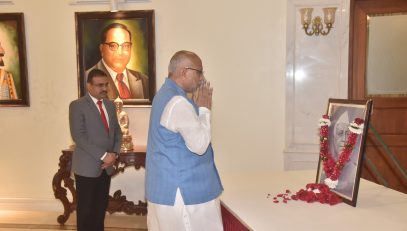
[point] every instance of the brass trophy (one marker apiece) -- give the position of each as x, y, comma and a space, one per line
123, 118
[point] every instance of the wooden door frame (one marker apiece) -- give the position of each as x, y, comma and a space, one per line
358, 36
359, 9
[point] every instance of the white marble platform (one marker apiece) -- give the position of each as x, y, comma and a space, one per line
378, 208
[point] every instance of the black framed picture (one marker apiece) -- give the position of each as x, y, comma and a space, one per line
342, 136
13, 61
122, 45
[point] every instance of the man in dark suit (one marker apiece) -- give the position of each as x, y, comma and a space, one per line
97, 136
115, 48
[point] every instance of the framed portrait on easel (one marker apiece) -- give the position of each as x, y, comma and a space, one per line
343, 132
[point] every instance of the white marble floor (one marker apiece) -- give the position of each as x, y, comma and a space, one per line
47, 221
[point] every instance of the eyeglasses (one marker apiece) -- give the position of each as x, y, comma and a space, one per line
114, 46
201, 72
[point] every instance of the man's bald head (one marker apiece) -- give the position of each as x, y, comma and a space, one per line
182, 59
186, 70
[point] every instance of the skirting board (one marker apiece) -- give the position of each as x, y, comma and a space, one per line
29, 204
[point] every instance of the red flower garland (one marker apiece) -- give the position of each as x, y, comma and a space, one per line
332, 168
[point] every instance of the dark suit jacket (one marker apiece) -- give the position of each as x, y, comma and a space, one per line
138, 83
89, 134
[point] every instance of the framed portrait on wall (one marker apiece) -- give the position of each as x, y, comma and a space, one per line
13, 61
122, 45
342, 146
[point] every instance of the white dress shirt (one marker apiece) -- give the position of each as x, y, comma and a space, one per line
107, 115
113, 74
103, 106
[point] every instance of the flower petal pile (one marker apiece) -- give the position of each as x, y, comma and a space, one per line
317, 193
312, 193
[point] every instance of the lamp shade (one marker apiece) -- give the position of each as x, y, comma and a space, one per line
306, 15
329, 15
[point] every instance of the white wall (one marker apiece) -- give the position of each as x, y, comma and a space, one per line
317, 69
241, 43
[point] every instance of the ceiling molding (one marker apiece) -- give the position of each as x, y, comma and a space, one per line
103, 2
6, 2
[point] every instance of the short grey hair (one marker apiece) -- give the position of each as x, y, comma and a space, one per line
178, 58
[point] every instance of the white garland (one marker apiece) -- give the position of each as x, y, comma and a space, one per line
313, 190
331, 183
323, 122
355, 128
316, 191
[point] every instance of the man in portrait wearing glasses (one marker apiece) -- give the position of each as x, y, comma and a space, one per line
115, 48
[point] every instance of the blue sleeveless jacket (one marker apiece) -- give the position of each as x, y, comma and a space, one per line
170, 164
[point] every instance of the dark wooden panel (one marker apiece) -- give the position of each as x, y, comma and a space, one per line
395, 102
386, 166
389, 121
395, 140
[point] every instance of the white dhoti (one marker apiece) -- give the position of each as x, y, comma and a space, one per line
181, 217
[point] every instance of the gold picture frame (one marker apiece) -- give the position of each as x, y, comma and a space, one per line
90, 27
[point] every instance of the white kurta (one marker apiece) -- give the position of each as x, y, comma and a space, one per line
179, 116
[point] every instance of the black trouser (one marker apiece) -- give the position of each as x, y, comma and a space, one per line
92, 195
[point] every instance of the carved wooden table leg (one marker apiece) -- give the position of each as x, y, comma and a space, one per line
60, 191
119, 202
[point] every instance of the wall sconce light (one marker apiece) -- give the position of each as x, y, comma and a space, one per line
317, 27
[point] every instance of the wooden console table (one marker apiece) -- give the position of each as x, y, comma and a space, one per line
117, 202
